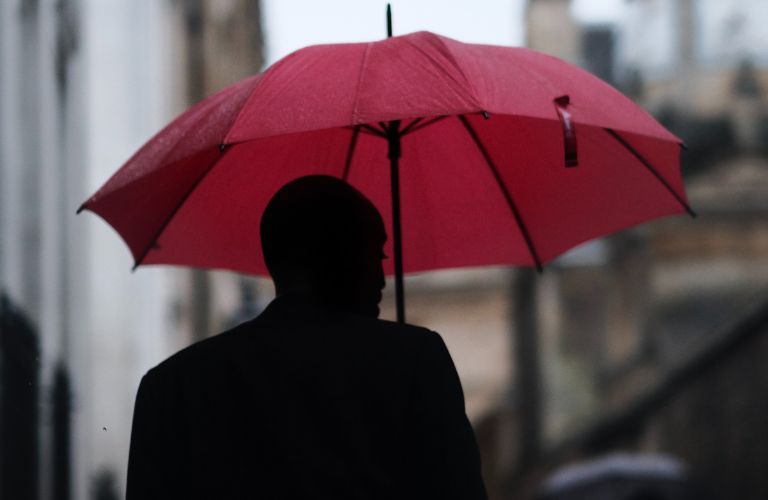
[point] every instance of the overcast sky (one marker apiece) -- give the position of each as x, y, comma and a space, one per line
292, 24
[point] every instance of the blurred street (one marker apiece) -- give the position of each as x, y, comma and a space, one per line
652, 342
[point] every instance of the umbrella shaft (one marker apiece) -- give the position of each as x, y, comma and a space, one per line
393, 137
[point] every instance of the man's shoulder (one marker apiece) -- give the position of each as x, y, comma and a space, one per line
391, 327
383, 330
373, 332
400, 340
200, 353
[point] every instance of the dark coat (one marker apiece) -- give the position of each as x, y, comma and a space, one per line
305, 403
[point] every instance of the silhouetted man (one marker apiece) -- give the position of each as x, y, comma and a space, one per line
315, 398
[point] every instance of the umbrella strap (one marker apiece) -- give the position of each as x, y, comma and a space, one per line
569, 131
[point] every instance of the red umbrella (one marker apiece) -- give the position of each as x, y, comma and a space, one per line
509, 156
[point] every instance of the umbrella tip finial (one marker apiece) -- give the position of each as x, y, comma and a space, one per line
389, 20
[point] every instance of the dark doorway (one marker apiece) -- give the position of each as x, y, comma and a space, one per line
19, 391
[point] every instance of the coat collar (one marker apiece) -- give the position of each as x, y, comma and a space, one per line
300, 308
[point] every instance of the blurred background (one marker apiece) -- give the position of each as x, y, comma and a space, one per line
642, 353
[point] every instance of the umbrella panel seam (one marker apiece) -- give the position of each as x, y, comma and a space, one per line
455, 62
165, 155
153, 242
507, 195
363, 66
639, 157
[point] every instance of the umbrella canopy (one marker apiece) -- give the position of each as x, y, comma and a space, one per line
507, 156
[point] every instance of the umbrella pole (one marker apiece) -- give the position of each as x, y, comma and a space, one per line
393, 138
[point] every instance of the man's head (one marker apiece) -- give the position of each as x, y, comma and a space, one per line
321, 236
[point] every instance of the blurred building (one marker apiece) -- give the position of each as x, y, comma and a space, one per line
217, 44
550, 28
471, 310
634, 328
43, 343
83, 83
645, 340
700, 66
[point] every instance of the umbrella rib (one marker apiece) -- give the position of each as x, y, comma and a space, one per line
504, 190
350, 152
410, 126
651, 169
413, 127
153, 242
371, 130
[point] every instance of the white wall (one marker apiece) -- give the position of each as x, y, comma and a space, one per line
71, 275
129, 77
41, 166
